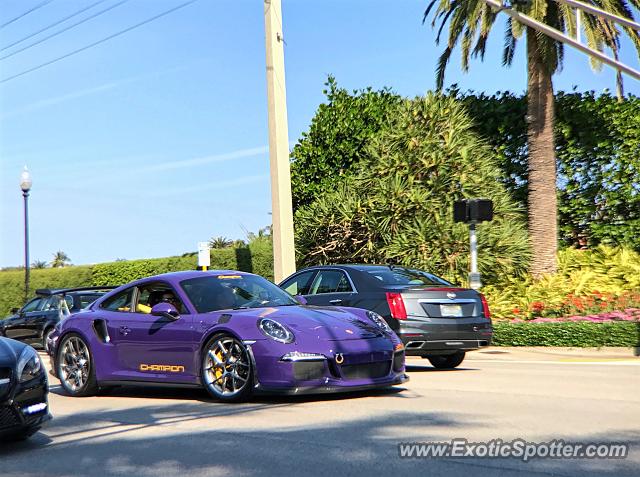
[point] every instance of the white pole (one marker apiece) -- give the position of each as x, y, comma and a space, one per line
474, 276
284, 262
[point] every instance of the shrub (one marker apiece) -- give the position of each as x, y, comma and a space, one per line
255, 258
599, 280
399, 207
572, 334
12, 283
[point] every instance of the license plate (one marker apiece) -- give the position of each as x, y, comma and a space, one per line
451, 311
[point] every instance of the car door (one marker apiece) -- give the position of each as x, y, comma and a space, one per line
17, 327
147, 347
331, 286
36, 320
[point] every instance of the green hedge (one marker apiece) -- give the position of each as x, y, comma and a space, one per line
12, 283
571, 334
256, 258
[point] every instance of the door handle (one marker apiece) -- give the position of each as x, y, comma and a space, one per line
125, 330
335, 302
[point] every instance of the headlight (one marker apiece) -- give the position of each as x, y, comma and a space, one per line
29, 365
275, 330
378, 320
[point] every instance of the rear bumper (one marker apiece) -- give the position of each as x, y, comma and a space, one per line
444, 336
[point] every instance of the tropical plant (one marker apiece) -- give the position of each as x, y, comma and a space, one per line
588, 281
337, 138
398, 208
470, 22
60, 259
39, 264
220, 242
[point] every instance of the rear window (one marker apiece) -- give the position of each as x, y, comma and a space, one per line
405, 276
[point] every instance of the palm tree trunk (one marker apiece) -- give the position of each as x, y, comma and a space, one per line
543, 208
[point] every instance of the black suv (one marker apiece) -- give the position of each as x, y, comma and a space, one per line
33, 323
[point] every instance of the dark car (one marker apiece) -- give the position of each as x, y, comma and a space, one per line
23, 390
33, 323
434, 319
232, 333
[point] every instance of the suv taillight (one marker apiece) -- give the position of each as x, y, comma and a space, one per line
485, 306
396, 305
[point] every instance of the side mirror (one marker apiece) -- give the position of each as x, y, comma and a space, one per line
14, 310
166, 310
300, 299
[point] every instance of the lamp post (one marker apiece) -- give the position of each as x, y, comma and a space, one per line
25, 185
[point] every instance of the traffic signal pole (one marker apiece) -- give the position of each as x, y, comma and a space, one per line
284, 262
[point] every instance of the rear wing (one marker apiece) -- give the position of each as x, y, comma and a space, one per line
64, 291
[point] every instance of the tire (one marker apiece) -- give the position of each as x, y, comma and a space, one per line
227, 369
447, 362
45, 336
75, 367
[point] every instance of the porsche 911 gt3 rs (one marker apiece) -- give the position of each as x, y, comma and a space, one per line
232, 333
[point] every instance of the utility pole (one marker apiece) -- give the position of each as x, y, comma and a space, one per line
284, 262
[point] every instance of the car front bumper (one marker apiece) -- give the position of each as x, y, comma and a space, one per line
24, 406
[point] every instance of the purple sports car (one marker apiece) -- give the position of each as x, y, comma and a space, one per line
232, 333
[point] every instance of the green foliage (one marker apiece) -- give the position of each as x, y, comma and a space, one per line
585, 280
597, 144
255, 258
597, 137
12, 283
573, 334
398, 207
337, 138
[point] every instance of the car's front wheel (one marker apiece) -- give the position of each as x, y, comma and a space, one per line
75, 365
227, 369
447, 362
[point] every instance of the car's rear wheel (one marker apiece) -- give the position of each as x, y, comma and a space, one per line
75, 367
447, 362
227, 369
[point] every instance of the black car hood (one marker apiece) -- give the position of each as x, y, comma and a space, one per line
9, 351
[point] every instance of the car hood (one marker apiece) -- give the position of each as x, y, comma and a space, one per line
322, 323
9, 352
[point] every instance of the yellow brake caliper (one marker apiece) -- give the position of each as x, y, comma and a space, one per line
218, 369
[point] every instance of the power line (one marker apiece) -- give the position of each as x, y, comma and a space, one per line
40, 5
110, 37
53, 24
84, 20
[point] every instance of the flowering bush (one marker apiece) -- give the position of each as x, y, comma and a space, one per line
589, 283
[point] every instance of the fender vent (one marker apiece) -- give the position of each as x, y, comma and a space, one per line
100, 329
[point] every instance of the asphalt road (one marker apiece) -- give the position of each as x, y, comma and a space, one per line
536, 397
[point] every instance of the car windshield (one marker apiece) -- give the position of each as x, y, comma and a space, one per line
405, 276
223, 292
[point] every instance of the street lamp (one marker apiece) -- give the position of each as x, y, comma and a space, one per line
25, 185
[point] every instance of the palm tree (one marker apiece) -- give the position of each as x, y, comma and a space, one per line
470, 23
39, 264
220, 242
60, 259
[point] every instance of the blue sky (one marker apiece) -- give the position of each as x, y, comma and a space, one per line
157, 139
